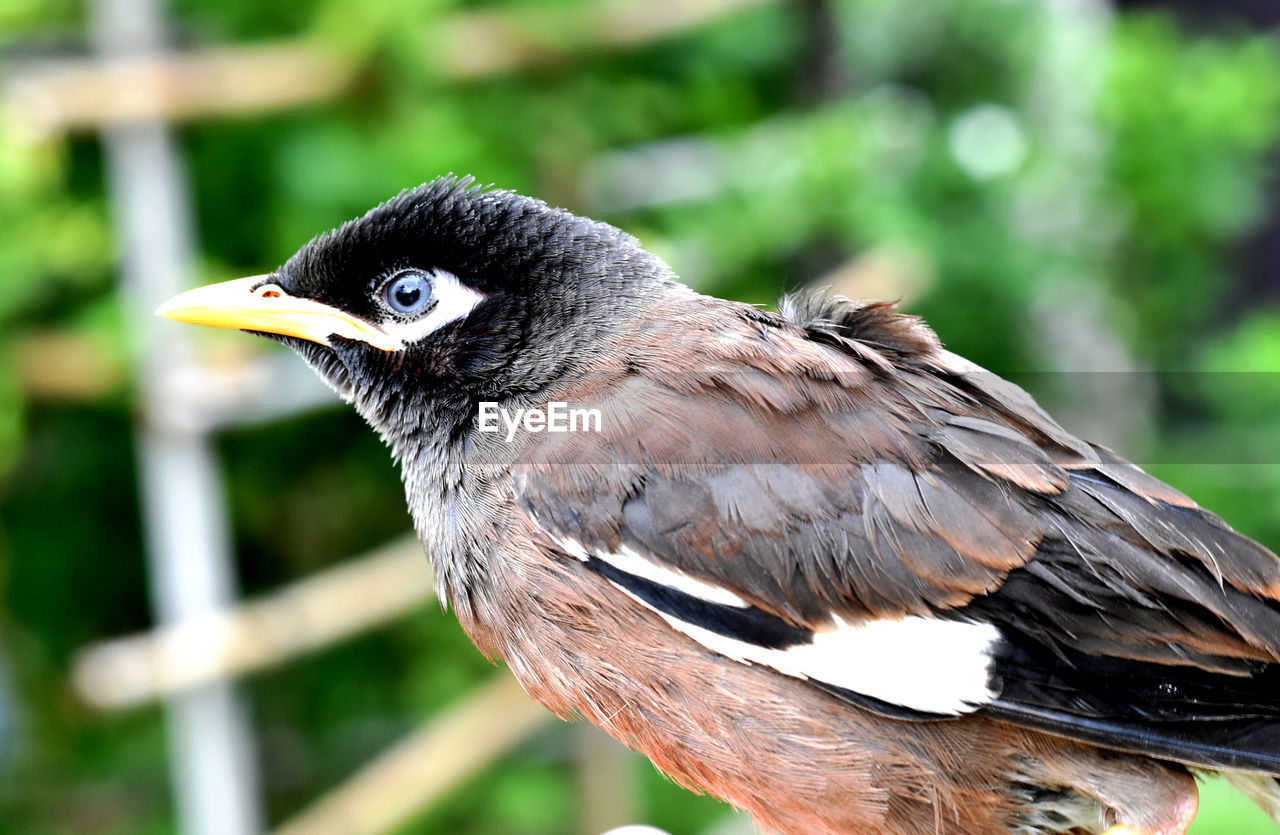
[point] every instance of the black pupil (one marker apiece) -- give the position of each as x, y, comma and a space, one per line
407, 292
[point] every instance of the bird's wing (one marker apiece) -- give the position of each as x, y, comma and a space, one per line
872, 514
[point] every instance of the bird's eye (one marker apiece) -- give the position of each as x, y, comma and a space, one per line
408, 293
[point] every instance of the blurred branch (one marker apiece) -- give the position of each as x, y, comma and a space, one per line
60, 365
51, 97
462, 740
607, 782
228, 384
56, 96
480, 43
324, 608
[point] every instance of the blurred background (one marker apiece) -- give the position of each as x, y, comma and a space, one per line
210, 620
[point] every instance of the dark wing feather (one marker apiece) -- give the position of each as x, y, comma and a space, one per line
850, 467
1183, 713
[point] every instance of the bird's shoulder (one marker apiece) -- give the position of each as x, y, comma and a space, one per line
834, 459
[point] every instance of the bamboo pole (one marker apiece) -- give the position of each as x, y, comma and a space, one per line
219, 645
45, 98
189, 566
415, 773
474, 44
56, 96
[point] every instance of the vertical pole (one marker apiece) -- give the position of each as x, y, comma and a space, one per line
189, 562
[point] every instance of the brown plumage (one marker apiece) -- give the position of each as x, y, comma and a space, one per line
941, 479
811, 563
949, 476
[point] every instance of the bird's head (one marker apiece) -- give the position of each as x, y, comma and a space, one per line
445, 291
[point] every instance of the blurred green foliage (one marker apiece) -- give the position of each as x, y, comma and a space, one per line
965, 139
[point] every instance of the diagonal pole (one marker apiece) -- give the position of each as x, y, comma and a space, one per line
188, 550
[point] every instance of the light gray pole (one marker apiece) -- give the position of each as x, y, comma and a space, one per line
190, 567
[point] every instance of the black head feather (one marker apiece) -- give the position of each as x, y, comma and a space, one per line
553, 282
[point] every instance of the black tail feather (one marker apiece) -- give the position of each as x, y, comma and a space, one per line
1174, 712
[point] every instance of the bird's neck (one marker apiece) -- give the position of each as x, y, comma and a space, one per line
457, 478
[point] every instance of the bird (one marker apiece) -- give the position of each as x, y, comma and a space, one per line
809, 562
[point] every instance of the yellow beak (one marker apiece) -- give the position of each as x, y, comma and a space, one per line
256, 304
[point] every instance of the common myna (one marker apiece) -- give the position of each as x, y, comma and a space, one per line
810, 562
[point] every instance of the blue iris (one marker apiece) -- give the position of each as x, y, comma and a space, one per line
408, 293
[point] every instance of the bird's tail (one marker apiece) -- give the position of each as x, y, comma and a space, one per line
1262, 789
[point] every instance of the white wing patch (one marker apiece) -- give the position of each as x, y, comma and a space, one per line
453, 301
923, 664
